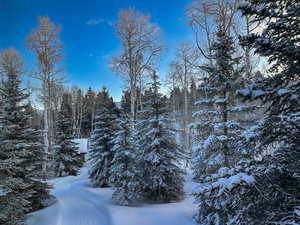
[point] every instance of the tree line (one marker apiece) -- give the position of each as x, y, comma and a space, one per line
140, 160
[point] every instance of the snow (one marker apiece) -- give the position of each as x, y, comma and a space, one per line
205, 112
2, 191
220, 101
251, 132
243, 92
257, 93
233, 181
204, 101
297, 210
227, 184
156, 214
283, 91
79, 204
82, 144
75, 205
210, 101
239, 108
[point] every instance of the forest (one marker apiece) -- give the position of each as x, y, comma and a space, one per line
225, 118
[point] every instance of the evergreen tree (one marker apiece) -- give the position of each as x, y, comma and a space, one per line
67, 158
159, 154
274, 197
107, 101
103, 99
88, 112
39, 189
220, 126
78, 113
101, 153
125, 102
217, 118
193, 93
125, 173
20, 150
35, 120
265, 189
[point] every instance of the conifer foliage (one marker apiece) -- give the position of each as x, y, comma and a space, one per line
20, 150
219, 128
277, 198
159, 153
125, 173
101, 152
220, 121
67, 159
265, 189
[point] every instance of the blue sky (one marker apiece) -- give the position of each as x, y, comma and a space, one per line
88, 38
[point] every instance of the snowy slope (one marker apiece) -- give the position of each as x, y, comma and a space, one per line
79, 204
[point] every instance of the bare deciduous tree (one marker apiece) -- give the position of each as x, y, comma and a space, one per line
244, 27
184, 68
77, 108
205, 17
45, 44
200, 18
141, 46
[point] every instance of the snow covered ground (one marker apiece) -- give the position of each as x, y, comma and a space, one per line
79, 204
76, 205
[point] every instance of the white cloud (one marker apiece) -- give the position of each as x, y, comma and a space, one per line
94, 21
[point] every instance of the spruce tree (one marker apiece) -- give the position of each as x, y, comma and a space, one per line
35, 120
160, 156
220, 123
265, 189
21, 191
125, 102
125, 173
88, 113
274, 197
217, 121
101, 153
67, 158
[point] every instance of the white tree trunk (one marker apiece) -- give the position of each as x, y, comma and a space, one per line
132, 102
46, 144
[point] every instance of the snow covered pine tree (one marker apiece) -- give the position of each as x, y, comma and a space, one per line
219, 123
269, 191
276, 196
101, 153
159, 155
67, 158
221, 126
125, 174
20, 149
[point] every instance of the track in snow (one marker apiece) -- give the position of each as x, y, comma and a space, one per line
76, 205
